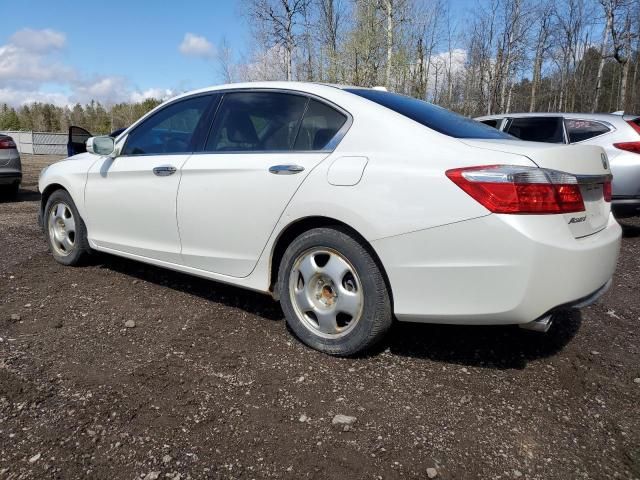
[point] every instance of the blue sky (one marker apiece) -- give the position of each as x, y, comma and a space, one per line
133, 43
70, 51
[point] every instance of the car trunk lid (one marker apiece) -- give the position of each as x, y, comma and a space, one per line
588, 163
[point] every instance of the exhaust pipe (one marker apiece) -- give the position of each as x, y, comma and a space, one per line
542, 325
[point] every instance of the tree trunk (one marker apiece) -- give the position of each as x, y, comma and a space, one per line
389, 6
603, 50
622, 101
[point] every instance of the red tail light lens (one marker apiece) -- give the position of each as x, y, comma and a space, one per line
635, 124
7, 143
520, 190
633, 147
606, 191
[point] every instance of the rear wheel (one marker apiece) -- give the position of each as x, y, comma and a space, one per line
64, 229
333, 293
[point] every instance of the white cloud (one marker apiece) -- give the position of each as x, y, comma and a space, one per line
115, 89
26, 60
196, 46
18, 97
30, 67
158, 93
38, 40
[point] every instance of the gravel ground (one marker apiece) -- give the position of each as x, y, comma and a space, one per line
209, 383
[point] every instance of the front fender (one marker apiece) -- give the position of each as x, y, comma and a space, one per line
69, 174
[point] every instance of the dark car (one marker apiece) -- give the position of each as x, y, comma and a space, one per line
10, 167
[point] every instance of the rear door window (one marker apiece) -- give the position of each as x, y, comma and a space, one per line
256, 121
537, 129
319, 125
579, 130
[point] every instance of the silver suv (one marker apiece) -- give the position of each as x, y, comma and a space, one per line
10, 167
618, 134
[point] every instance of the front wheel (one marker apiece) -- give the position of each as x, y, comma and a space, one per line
333, 293
64, 229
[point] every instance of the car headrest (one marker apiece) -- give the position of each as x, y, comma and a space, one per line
240, 129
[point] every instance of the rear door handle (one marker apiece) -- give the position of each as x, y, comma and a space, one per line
164, 170
286, 169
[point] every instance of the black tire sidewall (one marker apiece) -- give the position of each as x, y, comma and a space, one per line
81, 242
376, 315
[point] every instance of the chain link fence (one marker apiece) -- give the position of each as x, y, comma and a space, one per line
39, 143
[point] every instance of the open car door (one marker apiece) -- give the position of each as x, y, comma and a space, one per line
77, 140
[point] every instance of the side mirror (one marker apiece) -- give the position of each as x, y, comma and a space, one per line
103, 145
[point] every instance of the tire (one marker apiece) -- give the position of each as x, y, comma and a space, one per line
333, 293
65, 230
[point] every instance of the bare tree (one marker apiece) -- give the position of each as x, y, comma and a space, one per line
622, 36
278, 21
331, 18
542, 46
224, 58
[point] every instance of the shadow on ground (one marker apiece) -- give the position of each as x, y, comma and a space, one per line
500, 347
247, 300
23, 196
629, 230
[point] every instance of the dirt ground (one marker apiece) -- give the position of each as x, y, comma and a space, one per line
209, 383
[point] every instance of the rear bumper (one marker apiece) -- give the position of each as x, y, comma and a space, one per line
498, 269
10, 177
626, 206
625, 168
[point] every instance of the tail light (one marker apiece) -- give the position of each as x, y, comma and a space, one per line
606, 191
635, 124
7, 143
520, 190
633, 147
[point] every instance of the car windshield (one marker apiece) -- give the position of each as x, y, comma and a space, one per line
430, 115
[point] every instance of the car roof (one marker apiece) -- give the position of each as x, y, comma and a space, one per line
606, 117
305, 87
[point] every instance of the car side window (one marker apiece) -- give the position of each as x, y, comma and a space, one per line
319, 125
492, 123
537, 129
579, 130
256, 121
170, 130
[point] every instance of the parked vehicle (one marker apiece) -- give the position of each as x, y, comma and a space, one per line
618, 134
10, 167
351, 206
78, 136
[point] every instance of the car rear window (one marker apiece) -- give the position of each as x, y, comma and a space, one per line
432, 116
537, 129
580, 130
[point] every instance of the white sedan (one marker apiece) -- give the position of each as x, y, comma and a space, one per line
351, 206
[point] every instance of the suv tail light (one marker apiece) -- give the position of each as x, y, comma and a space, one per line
635, 124
606, 191
633, 147
520, 190
7, 143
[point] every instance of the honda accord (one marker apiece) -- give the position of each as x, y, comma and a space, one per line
351, 206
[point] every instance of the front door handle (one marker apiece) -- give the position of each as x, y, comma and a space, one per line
286, 169
164, 170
